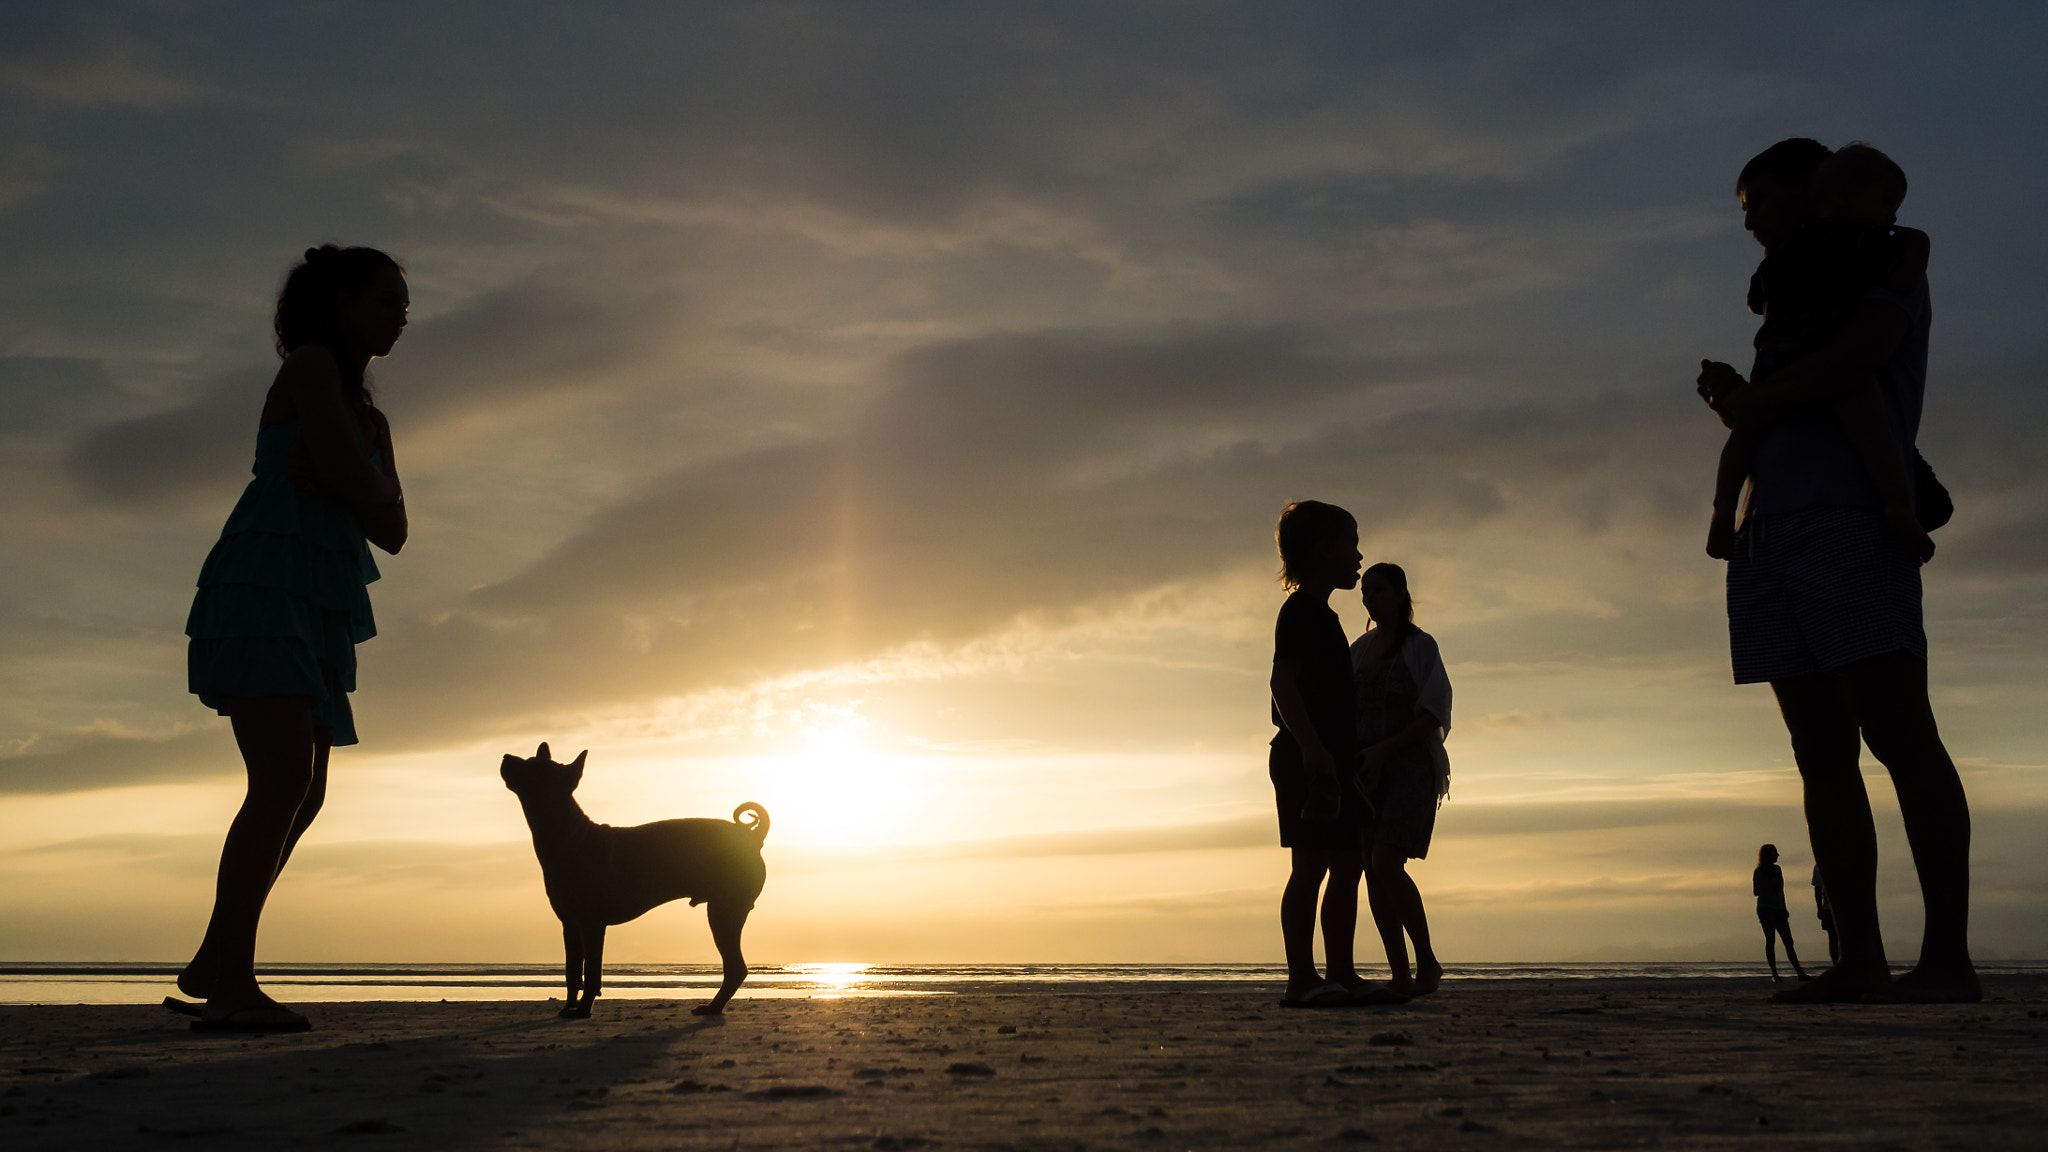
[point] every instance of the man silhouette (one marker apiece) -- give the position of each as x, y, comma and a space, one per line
1825, 606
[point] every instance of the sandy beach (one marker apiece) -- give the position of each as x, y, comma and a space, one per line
1676, 1063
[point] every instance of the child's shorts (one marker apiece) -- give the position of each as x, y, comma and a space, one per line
1291, 791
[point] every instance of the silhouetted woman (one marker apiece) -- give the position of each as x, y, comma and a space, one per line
282, 603
1768, 883
1404, 714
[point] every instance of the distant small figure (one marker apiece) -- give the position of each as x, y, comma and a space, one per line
1322, 813
1826, 915
282, 601
598, 875
1404, 714
1768, 882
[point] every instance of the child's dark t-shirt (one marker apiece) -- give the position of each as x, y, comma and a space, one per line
1309, 633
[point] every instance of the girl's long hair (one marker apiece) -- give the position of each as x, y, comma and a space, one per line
1768, 854
310, 305
1398, 581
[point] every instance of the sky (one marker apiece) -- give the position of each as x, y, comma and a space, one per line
880, 411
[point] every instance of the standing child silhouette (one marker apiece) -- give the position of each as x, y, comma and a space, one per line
1322, 813
282, 603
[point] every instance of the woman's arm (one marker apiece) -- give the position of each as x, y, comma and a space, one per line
1425, 726
328, 429
1286, 684
386, 527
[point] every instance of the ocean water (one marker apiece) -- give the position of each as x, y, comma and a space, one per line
147, 983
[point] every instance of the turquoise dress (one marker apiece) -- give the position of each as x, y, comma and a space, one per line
282, 597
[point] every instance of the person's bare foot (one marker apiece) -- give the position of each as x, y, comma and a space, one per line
1323, 995
242, 996
1835, 986
1429, 975
197, 980
253, 1010
1387, 993
1934, 987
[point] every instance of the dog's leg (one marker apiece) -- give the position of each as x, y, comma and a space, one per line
726, 922
572, 963
593, 965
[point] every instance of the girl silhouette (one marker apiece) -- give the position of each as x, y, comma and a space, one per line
1768, 883
282, 603
1404, 714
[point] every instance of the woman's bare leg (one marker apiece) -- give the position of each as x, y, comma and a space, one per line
1398, 913
279, 750
197, 978
1791, 952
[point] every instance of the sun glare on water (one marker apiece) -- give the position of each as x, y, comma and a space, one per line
832, 980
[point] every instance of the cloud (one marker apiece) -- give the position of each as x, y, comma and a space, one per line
44, 394
504, 345
495, 349
116, 71
994, 480
82, 761
759, 341
166, 456
1246, 832
1528, 818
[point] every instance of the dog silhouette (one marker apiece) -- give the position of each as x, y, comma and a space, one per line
597, 875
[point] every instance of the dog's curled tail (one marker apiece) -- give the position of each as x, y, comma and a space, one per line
758, 825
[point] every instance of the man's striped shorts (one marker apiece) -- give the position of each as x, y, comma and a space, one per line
1814, 589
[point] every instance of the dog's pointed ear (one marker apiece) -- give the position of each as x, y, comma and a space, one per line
576, 766
542, 754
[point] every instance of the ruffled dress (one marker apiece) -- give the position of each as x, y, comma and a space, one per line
283, 597
1413, 782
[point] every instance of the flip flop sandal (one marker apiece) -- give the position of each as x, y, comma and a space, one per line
1327, 996
233, 1024
1817, 993
183, 1007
